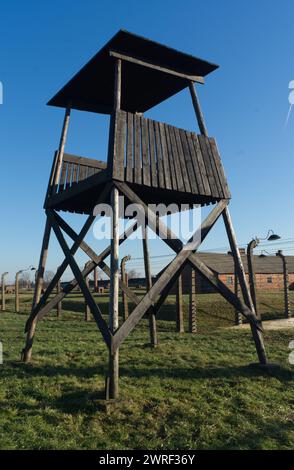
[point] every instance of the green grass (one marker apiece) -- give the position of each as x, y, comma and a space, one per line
192, 392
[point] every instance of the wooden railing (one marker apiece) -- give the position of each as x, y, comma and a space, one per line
75, 170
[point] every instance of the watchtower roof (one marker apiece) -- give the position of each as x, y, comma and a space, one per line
143, 87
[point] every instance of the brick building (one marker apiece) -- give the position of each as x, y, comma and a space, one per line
268, 272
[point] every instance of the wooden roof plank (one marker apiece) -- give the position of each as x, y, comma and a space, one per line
91, 88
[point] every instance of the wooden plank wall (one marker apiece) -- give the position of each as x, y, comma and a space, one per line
159, 155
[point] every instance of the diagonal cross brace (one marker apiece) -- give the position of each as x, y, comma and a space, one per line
78, 275
73, 283
64, 264
173, 242
167, 277
88, 250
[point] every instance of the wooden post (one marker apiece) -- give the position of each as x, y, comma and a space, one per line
61, 147
256, 333
3, 304
148, 275
238, 314
251, 272
17, 291
286, 283
87, 308
59, 304
27, 351
180, 307
95, 280
112, 388
114, 293
198, 112
192, 303
124, 280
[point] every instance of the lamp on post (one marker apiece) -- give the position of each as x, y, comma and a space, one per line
3, 290
31, 268
271, 236
286, 283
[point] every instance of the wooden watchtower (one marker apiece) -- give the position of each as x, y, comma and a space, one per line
148, 162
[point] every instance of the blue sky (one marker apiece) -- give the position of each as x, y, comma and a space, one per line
245, 104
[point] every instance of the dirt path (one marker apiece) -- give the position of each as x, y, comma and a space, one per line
282, 324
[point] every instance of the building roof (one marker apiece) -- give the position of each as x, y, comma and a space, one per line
223, 263
91, 89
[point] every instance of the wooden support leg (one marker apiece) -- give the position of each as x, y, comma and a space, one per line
256, 333
114, 293
238, 314
148, 275
180, 307
95, 280
59, 305
87, 309
27, 351
192, 303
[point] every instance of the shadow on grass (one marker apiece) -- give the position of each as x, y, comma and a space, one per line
82, 399
206, 372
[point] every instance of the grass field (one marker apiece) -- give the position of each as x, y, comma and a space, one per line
192, 392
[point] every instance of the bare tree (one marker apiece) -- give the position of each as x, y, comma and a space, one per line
25, 280
48, 276
132, 273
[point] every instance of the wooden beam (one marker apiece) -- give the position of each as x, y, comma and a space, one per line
170, 273
177, 245
256, 327
87, 281
27, 351
158, 68
97, 179
77, 241
114, 294
238, 261
91, 162
197, 108
88, 250
148, 276
107, 335
59, 305
61, 147
117, 85
73, 283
